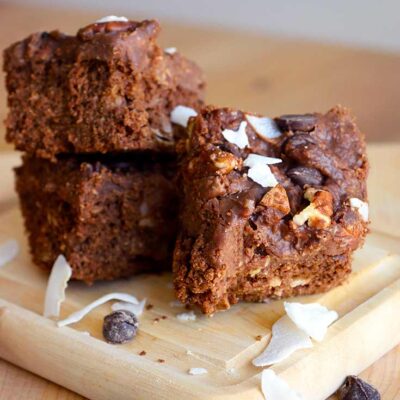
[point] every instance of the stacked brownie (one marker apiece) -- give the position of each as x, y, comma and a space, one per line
92, 113
268, 207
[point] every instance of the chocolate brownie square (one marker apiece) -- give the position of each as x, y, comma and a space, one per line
272, 207
110, 218
110, 88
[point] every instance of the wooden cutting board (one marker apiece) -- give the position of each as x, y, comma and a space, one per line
224, 344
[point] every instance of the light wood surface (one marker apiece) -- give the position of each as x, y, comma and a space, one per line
366, 305
268, 75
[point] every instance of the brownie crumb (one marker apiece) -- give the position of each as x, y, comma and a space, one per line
120, 327
149, 307
161, 361
142, 353
156, 320
164, 317
355, 388
258, 338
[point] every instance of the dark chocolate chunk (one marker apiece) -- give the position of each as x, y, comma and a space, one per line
305, 176
120, 327
294, 122
355, 388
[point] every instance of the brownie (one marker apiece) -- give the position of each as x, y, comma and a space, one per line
108, 89
109, 217
253, 227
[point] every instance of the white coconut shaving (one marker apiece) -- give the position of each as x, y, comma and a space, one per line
313, 318
262, 175
78, 315
170, 50
259, 171
56, 285
239, 137
286, 339
111, 18
256, 159
8, 251
197, 371
361, 206
181, 114
176, 304
189, 316
265, 127
275, 388
136, 309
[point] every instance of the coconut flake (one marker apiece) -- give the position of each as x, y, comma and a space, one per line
176, 304
256, 159
275, 388
262, 175
180, 115
197, 371
8, 251
78, 315
361, 207
239, 137
265, 127
136, 309
312, 318
57, 283
170, 50
286, 339
189, 316
111, 18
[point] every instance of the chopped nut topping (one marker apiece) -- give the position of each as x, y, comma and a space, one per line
224, 161
319, 212
277, 198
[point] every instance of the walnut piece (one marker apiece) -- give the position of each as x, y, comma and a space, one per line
319, 212
224, 162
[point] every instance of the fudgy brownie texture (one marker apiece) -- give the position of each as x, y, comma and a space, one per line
240, 240
109, 218
110, 88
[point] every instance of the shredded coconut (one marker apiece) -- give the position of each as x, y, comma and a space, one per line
265, 127
136, 309
239, 137
275, 388
189, 316
111, 18
78, 315
256, 159
57, 283
286, 339
170, 50
361, 207
197, 371
180, 115
176, 304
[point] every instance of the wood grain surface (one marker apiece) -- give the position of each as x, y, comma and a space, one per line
267, 75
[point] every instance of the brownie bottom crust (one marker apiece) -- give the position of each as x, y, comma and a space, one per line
110, 218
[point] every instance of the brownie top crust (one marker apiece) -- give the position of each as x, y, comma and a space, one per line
109, 88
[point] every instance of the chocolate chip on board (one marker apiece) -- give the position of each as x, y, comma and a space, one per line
355, 388
305, 176
294, 122
120, 327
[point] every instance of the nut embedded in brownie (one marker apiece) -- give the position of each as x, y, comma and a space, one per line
110, 217
110, 88
271, 208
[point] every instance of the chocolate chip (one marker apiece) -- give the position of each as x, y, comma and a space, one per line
355, 388
305, 176
293, 122
120, 327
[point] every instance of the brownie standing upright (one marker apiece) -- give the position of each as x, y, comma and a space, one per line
92, 112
